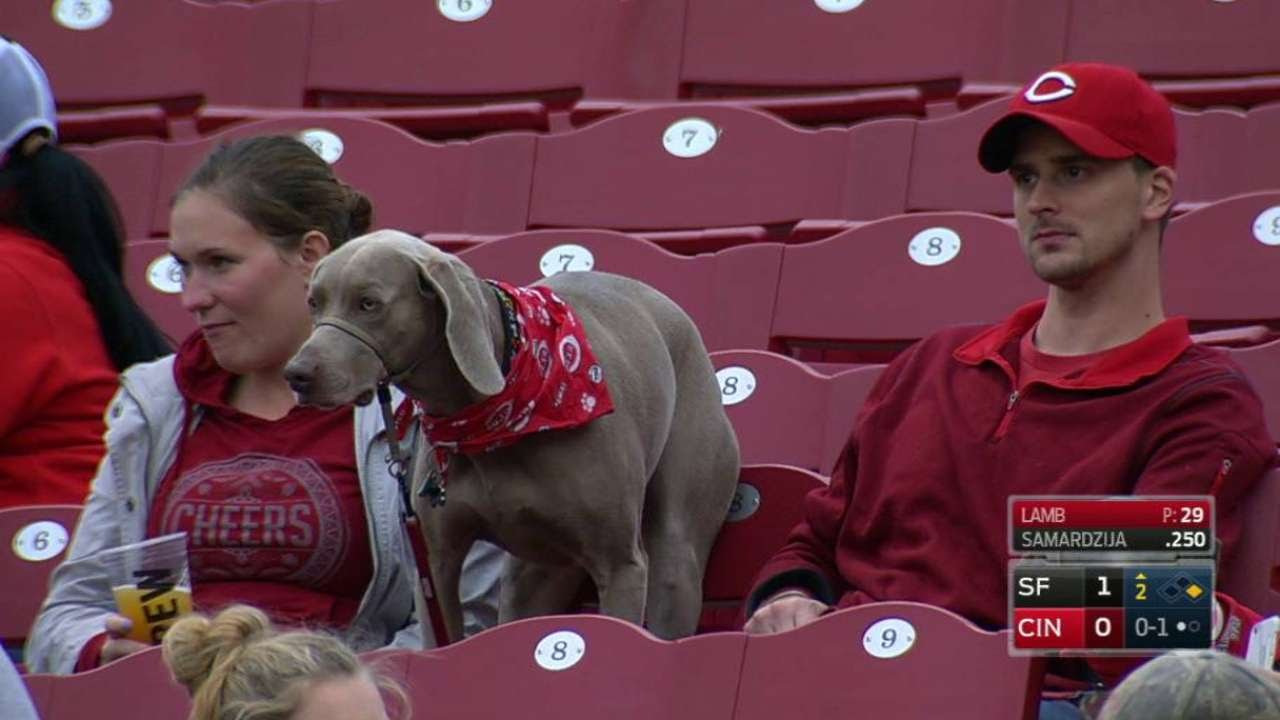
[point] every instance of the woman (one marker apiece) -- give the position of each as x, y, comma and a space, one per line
292, 509
70, 323
237, 667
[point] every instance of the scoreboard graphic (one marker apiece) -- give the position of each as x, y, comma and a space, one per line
1110, 575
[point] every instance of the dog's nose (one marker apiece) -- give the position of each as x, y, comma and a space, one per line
298, 378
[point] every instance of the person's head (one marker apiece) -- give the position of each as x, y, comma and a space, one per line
54, 196
238, 667
1091, 151
247, 228
1203, 685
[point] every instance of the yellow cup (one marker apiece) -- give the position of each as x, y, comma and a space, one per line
152, 609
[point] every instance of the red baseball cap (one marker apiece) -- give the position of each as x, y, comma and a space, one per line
1108, 111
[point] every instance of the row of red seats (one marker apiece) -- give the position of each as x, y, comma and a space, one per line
860, 295
477, 65
694, 177
586, 666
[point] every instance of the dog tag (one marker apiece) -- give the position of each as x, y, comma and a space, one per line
746, 500
1267, 227
736, 384
566, 258
690, 137
81, 14
935, 246
464, 10
40, 541
560, 650
889, 638
837, 6
164, 274
325, 144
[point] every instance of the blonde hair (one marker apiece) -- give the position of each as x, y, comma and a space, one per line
238, 667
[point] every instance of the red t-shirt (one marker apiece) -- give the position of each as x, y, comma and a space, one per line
1035, 366
273, 508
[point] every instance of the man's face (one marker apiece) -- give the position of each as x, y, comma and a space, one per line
1077, 215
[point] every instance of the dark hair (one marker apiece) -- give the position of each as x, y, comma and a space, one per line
61, 200
283, 189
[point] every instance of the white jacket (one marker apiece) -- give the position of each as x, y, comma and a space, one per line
143, 422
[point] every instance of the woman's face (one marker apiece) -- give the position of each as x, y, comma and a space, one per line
348, 698
248, 297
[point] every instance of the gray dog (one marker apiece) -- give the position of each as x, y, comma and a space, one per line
632, 499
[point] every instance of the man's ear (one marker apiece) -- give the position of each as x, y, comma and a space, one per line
1159, 197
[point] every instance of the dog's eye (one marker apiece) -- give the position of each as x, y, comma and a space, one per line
369, 304
311, 303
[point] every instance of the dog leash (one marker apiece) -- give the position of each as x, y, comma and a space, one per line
398, 465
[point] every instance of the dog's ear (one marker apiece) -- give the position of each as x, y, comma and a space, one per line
466, 329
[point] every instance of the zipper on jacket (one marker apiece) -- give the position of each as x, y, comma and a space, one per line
1003, 428
1223, 470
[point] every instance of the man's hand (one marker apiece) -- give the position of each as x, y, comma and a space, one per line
786, 610
118, 645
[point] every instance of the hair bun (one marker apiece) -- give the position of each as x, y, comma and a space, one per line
195, 645
359, 211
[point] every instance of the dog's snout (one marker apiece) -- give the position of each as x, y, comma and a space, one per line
298, 377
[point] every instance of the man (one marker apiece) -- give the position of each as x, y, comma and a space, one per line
1092, 391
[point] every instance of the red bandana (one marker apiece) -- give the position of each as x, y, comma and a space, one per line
554, 382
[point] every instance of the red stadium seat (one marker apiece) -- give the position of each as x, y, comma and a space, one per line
173, 52
89, 126
1256, 577
869, 290
131, 170
1262, 365
849, 53
945, 174
720, 166
480, 186
769, 502
35, 537
1263, 127
729, 294
759, 388
139, 685
577, 667
1221, 262
1214, 156
154, 280
1185, 39
482, 55
898, 660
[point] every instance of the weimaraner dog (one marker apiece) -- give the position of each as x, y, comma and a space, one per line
633, 499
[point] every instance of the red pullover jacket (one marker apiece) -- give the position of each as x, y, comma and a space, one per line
916, 508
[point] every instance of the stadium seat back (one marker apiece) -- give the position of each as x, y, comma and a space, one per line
1221, 262
890, 282
768, 503
139, 685
579, 666
899, 660
729, 294
478, 186
36, 538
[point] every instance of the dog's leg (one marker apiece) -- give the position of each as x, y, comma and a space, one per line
687, 500
533, 589
621, 576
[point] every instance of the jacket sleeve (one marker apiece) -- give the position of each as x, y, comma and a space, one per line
1211, 439
808, 559
80, 595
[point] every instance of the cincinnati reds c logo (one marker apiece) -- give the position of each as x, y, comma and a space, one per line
1034, 94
